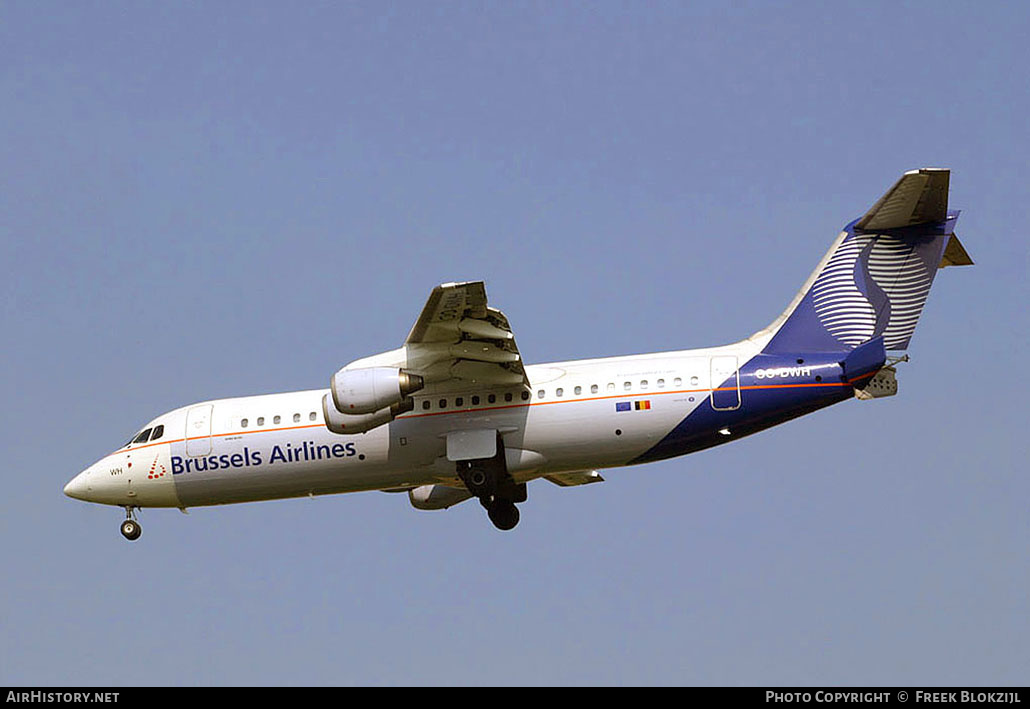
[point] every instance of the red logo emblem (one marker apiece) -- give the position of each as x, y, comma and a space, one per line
153, 474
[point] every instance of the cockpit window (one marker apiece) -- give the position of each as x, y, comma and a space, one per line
142, 437
158, 432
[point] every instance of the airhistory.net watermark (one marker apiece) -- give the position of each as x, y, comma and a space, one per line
41, 697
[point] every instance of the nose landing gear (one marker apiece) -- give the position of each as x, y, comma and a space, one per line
131, 529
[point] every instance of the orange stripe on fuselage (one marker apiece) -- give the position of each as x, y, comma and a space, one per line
219, 435
629, 396
516, 406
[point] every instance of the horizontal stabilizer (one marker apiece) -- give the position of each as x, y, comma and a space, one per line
919, 197
955, 254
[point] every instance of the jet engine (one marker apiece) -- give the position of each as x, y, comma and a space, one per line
361, 423
370, 390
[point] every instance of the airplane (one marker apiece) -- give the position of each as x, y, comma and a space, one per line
454, 413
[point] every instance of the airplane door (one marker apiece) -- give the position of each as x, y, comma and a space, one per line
725, 383
198, 430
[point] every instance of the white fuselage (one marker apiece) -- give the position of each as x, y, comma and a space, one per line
277, 445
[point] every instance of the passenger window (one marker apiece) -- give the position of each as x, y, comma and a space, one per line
261, 421
312, 416
243, 423
677, 381
426, 404
627, 385
661, 383
475, 401
525, 396
491, 398
693, 380
142, 437
611, 386
277, 419
643, 384
296, 418
593, 388
443, 403
559, 392
578, 390
158, 432
540, 394
459, 401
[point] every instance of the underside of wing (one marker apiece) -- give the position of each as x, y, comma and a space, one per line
581, 477
459, 339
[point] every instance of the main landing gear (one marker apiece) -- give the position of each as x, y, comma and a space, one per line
130, 527
504, 514
497, 491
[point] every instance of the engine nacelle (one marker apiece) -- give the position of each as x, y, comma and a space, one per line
361, 423
371, 389
436, 497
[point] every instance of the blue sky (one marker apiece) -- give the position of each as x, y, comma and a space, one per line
200, 200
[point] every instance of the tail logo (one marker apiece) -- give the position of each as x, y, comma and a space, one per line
842, 308
872, 285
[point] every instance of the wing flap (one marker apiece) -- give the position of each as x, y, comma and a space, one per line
459, 337
446, 306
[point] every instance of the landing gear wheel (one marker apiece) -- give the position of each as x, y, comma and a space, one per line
131, 530
504, 514
479, 481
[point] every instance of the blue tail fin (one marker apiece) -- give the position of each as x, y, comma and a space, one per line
875, 278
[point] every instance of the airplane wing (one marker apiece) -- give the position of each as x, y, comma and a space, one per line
460, 338
582, 477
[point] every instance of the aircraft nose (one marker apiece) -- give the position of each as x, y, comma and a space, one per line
78, 487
